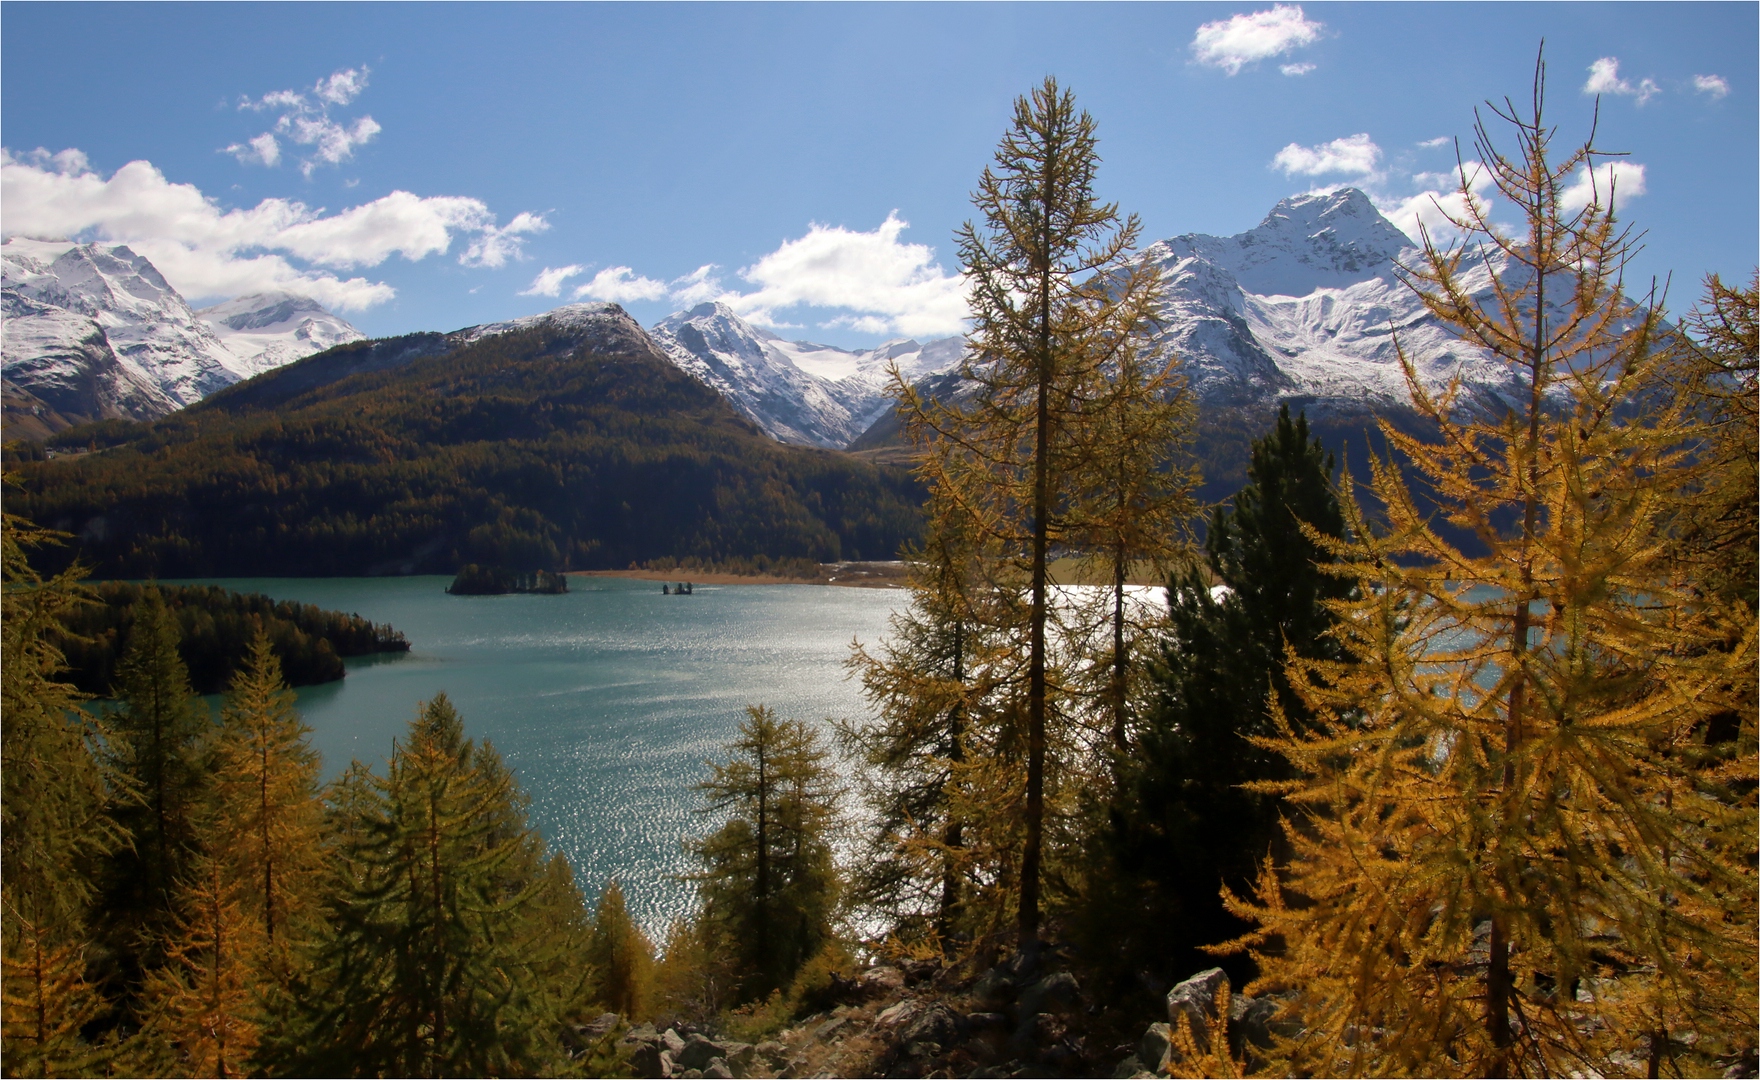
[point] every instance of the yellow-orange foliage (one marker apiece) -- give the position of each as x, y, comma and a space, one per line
202, 1007
266, 815
1515, 852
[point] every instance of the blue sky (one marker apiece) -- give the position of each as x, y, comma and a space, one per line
432, 167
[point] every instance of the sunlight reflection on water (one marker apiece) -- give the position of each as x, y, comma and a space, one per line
605, 701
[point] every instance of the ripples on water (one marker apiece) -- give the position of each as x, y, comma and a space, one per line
605, 701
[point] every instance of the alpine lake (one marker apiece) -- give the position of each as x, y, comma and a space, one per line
606, 701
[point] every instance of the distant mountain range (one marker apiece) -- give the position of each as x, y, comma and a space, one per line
94, 331
1303, 307
562, 441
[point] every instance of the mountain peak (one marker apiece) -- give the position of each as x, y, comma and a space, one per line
706, 310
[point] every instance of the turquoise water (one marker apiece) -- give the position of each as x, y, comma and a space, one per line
605, 701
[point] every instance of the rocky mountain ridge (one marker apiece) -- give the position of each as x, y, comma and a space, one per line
94, 331
1304, 307
1307, 305
798, 391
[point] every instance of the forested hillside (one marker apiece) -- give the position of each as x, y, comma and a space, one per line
561, 446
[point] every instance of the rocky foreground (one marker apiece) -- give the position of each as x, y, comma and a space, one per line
1027, 1017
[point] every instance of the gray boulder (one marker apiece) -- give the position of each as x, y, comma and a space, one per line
1155, 1048
672, 1042
697, 1052
882, 979
741, 1056
936, 1024
1056, 992
1196, 1000
651, 1061
718, 1069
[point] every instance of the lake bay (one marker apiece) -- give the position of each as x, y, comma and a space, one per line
604, 701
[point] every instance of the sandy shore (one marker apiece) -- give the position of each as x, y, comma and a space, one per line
860, 575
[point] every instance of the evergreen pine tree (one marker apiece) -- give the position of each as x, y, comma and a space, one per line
1510, 856
1184, 820
160, 742
768, 886
447, 933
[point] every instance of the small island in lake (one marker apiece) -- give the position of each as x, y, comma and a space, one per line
474, 580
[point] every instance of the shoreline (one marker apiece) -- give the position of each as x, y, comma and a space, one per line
855, 575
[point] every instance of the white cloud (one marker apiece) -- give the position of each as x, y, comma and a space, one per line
1296, 69
620, 285
864, 324
1440, 140
865, 274
335, 142
1232, 44
1604, 79
549, 280
1441, 199
342, 87
205, 251
262, 150
871, 282
698, 287
1715, 85
1351, 154
493, 247
1613, 180
306, 121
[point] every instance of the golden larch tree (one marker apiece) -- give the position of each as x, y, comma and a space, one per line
1511, 855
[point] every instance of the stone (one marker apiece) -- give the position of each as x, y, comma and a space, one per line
995, 987
1128, 1068
1250, 1022
1056, 992
825, 1030
718, 1069
672, 1042
741, 1056
651, 1061
598, 1028
900, 1013
1155, 1048
690, 1074
987, 1021
697, 1052
882, 979
1196, 998
937, 1024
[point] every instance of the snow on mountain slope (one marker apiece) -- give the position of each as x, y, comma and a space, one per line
797, 391
267, 330
1306, 304
719, 349
94, 331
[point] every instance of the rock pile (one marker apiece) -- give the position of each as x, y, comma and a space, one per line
1252, 1024
685, 1053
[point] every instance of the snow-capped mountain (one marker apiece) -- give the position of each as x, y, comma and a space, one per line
94, 331
266, 330
797, 391
1306, 304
